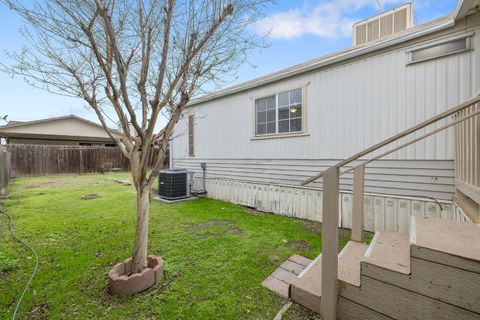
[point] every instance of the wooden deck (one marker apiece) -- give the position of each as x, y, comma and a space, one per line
434, 274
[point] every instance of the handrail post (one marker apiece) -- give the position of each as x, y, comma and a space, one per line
357, 208
330, 244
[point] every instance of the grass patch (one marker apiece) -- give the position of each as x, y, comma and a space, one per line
8, 260
216, 253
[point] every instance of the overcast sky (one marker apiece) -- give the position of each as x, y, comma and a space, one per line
297, 31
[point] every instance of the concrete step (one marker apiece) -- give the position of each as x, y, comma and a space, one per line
389, 250
451, 243
307, 288
279, 281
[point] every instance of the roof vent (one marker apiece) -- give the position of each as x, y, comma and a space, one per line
384, 24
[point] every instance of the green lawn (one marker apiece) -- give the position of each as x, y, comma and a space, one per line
216, 254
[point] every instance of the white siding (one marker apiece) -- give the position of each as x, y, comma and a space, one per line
348, 107
408, 178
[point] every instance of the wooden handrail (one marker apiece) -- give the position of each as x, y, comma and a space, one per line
406, 144
331, 184
400, 135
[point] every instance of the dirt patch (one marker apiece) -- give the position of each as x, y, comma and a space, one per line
313, 227
38, 312
39, 184
32, 187
233, 231
213, 228
63, 181
299, 245
316, 228
122, 182
208, 224
89, 196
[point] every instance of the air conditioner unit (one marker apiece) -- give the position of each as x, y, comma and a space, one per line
385, 24
175, 184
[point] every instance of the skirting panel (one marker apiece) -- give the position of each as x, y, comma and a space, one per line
381, 212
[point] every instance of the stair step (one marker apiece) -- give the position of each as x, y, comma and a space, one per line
389, 250
461, 239
349, 262
279, 281
399, 303
307, 288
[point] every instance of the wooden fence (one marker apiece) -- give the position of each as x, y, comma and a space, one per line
4, 169
41, 160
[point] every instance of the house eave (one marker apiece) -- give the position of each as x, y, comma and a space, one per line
464, 8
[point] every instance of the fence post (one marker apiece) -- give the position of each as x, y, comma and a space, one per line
357, 208
80, 167
330, 244
2, 172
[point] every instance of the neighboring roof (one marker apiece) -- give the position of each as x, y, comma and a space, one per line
12, 124
57, 128
462, 9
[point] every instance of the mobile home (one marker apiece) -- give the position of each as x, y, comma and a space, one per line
262, 138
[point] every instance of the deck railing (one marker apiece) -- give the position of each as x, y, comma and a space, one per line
467, 111
467, 161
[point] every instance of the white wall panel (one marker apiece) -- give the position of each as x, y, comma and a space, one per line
349, 107
379, 213
396, 177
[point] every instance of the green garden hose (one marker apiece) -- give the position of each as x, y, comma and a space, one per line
10, 226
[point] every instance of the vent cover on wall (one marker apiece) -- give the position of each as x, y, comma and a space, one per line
384, 24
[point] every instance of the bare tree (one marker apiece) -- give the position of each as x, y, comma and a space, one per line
133, 61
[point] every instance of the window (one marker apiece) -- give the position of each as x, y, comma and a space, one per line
110, 145
266, 115
191, 122
440, 50
279, 113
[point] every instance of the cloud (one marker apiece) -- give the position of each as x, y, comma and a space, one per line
327, 18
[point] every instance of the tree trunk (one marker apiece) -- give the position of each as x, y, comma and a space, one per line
141, 236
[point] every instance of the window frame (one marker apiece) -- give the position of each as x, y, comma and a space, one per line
468, 47
275, 92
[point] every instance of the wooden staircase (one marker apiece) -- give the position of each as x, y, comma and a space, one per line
400, 285
434, 274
